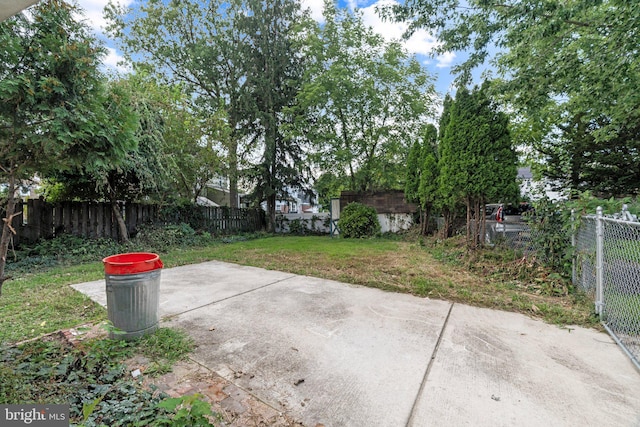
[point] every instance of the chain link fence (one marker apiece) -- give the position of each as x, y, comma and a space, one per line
516, 235
617, 293
606, 266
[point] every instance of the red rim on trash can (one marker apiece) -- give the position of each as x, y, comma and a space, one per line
132, 263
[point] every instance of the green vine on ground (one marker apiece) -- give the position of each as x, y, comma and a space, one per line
93, 379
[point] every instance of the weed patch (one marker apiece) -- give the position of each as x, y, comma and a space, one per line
95, 382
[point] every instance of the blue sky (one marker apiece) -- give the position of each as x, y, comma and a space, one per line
421, 43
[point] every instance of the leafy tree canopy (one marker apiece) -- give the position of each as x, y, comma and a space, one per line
569, 69
579, 52
55, 113
237, 56
362, 103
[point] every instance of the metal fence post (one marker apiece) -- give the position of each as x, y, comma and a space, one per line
599, 261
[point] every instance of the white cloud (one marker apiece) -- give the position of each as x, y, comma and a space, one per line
114, 61
316, 7
93, 12
421, 42
445, 60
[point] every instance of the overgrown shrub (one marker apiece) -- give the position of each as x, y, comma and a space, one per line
299, 227
161, 239
551, 229
357, 221
65, 249
552, 225
74, 246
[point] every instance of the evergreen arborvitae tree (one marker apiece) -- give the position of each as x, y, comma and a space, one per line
412, 180
422, 173
449, 162
429, 172
444, 117
478, 163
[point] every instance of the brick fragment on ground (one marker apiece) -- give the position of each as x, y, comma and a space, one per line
236, 406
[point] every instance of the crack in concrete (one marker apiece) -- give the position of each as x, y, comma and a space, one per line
412, 414
171, 316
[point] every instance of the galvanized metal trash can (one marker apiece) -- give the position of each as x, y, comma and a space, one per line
133, 293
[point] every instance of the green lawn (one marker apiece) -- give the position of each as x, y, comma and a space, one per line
37, 303
622, 309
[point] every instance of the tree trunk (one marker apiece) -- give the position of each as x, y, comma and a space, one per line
271, 213
483, 223
122, 227
426, 217
447, 229
476, 223
233, 173
7, 229
467, 202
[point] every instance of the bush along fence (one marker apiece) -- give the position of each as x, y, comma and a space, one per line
215, 220
42, 220
607, 267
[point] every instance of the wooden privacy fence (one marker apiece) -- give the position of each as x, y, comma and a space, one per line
42, 220
217, 220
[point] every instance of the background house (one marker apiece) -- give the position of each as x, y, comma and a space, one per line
217, 191
532, 189
294, 201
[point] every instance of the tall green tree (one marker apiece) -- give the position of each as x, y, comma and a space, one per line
443, 201
478, 161
421, 182
414, 170
188, 143
429, 172
195, 44
234, 55
54, 111
363, 102
274, 71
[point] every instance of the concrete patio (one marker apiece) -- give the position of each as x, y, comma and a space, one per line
335, 354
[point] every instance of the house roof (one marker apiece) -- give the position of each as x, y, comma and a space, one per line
203, 201
9, 8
